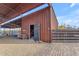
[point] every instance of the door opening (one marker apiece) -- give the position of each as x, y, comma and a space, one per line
31, 31
35, 32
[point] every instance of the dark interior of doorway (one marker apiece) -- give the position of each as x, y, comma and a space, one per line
31, 31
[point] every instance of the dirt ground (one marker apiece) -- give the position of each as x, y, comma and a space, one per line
38, 49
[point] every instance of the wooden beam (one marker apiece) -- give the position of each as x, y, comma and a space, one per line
13, 10
22, 10
53, 23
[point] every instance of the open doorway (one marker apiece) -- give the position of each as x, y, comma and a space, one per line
35, 32
31, 31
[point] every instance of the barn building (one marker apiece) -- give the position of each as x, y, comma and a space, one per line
36, 20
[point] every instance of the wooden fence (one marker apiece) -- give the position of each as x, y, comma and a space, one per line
65, 34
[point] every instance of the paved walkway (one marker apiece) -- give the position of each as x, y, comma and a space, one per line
53, 49
43, 49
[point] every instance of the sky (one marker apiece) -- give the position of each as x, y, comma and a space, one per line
67, 13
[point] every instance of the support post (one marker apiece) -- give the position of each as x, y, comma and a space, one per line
52, 21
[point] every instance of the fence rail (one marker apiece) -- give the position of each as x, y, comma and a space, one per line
65, 34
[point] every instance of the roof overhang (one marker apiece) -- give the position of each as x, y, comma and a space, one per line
11, 10
30, 11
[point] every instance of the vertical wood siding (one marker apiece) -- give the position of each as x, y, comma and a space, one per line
41, 17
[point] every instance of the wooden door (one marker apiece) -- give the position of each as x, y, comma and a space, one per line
36, 32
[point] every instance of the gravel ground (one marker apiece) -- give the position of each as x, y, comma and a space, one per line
39, 49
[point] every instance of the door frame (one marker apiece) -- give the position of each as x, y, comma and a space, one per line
29, 30
39, 31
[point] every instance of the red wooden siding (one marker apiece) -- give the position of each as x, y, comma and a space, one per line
41, 17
